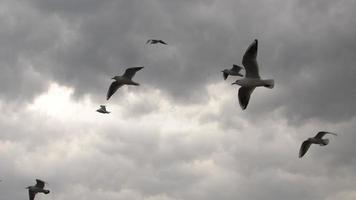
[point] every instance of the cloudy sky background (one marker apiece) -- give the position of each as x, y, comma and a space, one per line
181, 135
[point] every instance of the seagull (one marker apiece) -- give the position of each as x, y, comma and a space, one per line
252, 78
103, 110
234, 71
38, 188
153, 41
125, 79
317, 139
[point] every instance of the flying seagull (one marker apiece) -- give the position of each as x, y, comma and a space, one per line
103, 110
234, 71
125, 79
252, 78
153, 41
38, 188
317, 139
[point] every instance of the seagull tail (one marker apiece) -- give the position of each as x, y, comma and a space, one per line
269, 83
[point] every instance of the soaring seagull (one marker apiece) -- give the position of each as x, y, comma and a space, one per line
153, 41
252, 78
234, 71
317, 139
103, 110
125, 79
38, 188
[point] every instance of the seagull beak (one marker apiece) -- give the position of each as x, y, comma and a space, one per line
233, 83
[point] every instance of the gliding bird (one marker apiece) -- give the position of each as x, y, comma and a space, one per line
38, 188
252, 78
125, 79
103, 110
317, 139
234, 71
153, 41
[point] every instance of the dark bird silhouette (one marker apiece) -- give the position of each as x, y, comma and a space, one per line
153, 41
317, 139
234, 71
252, 78
125, 79
103, 110
38, 188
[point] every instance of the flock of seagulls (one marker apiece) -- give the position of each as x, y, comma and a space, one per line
248, 83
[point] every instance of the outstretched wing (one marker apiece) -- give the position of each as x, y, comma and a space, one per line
162, 42
112, 89
322, 133
148, 41
236, 68
249, 61
40, 183
130, 72
244, 96
304, 148
31, 195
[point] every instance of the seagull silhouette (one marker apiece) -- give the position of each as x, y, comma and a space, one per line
252, 78
38, 188
125, 79
317, 139
103, 110
234, 71
153, 41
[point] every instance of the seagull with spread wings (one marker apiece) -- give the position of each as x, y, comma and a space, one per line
317, 139
103, 110
38, 188
234, 71
125, 79
153, 41
252, 78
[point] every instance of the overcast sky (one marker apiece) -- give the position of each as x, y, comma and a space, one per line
180, 135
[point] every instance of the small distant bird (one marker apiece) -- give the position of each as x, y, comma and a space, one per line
317, 139
125, 79
252, 78
153, 41
103, 110
38, 188
234, 71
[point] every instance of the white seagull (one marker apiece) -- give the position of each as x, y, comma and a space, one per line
234, 71
153, 41
38, 188
103, 110
125, 79
252, 78
317, 139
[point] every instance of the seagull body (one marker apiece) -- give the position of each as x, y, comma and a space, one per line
125, 79
252, 78
234, 71
38, 188
153, 41
103, 110
317, 139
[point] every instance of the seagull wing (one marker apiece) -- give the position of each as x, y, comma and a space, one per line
162, 42
322, 133
103, 108
244, 96
31, 195
40, 183
148, 41
249, 61
130, 72
225, 75
304, 148
236, 68
112, 89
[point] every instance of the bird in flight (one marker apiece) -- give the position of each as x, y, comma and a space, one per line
252, 78
125, 79
317, 139
153, 41
38, 188
234, 71
103, 110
